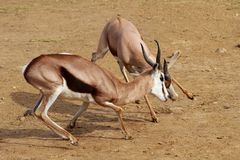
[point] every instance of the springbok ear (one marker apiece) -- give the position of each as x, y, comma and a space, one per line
165, 67
172, 59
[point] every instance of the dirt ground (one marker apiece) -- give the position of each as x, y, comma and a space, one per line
206, 128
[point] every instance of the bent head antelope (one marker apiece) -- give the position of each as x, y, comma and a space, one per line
122, 38
75, 77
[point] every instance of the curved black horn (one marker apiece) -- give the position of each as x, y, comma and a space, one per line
158, 58
148, 60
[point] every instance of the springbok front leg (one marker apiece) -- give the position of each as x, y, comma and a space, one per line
41, 113
188, 94
123, 71
119, 111
82, 109
153, 114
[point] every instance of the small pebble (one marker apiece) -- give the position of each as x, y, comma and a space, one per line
160, 143
221, 50
220, 137
238, 45
144, 151
22, 118
226, 107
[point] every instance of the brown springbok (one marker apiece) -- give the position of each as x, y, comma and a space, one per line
75, 77
122, 38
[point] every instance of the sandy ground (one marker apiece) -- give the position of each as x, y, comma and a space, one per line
206, 128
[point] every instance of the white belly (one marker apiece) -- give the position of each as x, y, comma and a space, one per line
69, 94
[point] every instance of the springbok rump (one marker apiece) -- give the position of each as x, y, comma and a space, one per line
122, 38
75, 77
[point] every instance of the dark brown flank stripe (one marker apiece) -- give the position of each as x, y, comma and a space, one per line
75, 84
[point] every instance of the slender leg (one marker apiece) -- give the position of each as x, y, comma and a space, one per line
102, 48
41, 113
31, 111
82, 109
123, 70
119, 111
99, 54
188, 94
153, 114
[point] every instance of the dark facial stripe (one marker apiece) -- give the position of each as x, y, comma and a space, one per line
75, 84
164, 94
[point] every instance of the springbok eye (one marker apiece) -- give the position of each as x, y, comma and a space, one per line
161, 78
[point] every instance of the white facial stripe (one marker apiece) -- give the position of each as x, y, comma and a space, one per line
159, 88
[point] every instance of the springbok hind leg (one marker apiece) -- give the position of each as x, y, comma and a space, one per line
123, 71
30, 112
188, 94
99, 54
42, 111
82, 109
102, 46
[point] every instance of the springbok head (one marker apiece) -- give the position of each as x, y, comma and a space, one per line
162, 87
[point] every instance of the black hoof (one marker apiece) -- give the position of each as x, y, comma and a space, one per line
155, 120
28, 113
137, 102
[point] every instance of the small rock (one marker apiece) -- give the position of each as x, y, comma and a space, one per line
221, 50
137, 102
220, 137
14, 87
226, 107
116, 150
206, 70
215, 102
238, 45
22, 118
160, 143
167, 153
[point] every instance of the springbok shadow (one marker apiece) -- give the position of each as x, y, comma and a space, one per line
62, 106
48, 134
86, 121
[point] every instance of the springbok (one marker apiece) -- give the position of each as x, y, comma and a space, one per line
75, 77
122, 38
